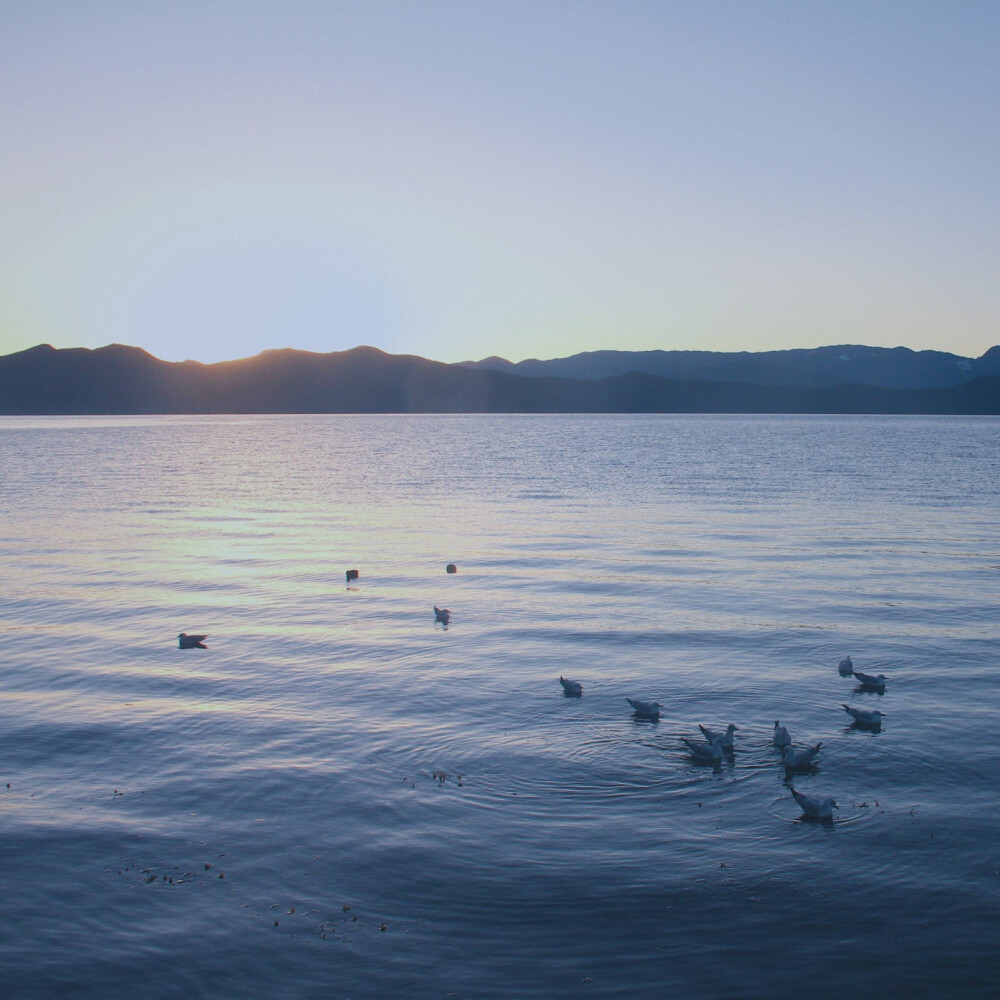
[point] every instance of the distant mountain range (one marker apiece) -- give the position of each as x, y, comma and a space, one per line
894, 368
119, 380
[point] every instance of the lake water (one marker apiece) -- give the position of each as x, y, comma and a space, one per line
342, 798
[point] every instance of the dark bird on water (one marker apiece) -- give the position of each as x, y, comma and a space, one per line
451, 568
185, 641
441, 615
352, 574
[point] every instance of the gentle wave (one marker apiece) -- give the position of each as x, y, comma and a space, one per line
400, 809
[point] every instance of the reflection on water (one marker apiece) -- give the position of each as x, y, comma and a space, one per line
344, 795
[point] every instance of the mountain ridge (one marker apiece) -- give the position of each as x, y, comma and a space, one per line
120, 379
892, 367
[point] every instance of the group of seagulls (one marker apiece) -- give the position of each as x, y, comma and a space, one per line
442, 616
717, 744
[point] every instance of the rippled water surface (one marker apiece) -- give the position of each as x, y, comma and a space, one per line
341, 798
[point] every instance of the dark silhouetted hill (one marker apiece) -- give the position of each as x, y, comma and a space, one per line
124, 380
896, 368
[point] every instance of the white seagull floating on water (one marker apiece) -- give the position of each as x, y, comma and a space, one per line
870, 681
725, 738
781, 737
799, 758
864, 717
572, 689
705, 751
817, 808
646, 709
845, 667
185, 641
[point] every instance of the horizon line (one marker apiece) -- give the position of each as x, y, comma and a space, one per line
497, 357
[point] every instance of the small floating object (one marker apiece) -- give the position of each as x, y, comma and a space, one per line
441, 615
864, 717
709, 752
800, 758
645, 709
870, 682
451, 568
352, 574
572, 689
817, 808
185, 641
781, 737
726, 738
845, 667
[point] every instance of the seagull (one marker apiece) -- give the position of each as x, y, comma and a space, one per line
711, 751
572, 689
799, 758
645, 709
870, 682
817, 808
185, 641
781, 737
845, 667
726, 738
863, 717
441, 615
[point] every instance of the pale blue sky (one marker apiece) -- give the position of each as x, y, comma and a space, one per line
209, 179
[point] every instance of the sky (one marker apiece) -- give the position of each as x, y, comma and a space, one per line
211, 179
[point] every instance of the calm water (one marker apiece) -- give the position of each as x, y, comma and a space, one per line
340, 798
